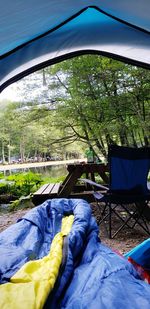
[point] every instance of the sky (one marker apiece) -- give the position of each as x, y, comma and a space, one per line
10, 93
29, 88
17, 91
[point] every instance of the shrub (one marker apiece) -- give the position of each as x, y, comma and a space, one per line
4, 188
23, 184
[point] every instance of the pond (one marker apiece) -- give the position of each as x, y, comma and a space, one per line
48, 171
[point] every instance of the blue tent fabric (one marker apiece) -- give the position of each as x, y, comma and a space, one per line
93, 275
35, 33
141, 254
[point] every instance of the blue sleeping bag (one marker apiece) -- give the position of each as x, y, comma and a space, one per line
91, 275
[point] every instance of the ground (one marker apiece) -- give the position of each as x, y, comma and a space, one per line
123, 242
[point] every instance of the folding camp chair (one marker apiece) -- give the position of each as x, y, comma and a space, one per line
127, 197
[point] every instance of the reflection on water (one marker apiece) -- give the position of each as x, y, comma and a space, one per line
50, 171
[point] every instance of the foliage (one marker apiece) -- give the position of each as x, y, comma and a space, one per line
21, 186
88, 100
21, 203
53, 180
1, 175
4, 187
24, 183
107, 101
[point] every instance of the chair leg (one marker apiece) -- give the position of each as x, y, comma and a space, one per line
102, 215
144, 208
141, 215
136, 221
143, 225
109, 209
110, 213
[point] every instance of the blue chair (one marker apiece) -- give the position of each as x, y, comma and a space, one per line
127, 196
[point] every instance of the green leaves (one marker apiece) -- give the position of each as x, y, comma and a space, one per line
87, 100
107, 101
22, 184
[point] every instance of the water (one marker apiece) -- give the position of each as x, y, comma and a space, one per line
50, 171
47, 171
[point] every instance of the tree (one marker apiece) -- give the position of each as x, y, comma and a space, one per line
88, 100
107, 101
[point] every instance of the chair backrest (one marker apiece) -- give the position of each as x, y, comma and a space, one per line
129, 168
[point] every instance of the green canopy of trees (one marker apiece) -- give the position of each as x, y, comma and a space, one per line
88, 100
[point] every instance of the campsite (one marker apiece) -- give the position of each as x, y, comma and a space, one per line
74, 97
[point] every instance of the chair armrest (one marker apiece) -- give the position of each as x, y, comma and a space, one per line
93, 183
98, 195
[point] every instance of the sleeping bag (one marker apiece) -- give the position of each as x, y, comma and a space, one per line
53, 258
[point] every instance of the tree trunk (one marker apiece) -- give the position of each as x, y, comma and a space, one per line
9, 153
22, 151
3, 152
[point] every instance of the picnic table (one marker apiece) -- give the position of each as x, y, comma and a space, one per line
75, 171
70, 188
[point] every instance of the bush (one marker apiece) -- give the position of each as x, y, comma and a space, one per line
4, 188
53, 180
21, 203
24, 183
19, 187
1, 175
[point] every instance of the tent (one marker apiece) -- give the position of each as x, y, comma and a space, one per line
35, 33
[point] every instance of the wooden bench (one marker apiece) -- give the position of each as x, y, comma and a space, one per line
70, 187
47, 191
51, 190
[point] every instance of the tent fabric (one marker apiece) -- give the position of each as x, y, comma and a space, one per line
141, 254
91, 275
36, 33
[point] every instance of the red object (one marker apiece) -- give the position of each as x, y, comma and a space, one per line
144, 274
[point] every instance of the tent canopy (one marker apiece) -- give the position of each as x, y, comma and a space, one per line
37, 33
